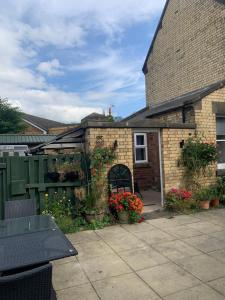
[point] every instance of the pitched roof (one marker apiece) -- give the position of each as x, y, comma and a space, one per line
42, 123
138, 115
186, 99
24, 139
159, 26
94, 117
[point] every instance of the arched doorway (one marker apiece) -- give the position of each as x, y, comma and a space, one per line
120, 179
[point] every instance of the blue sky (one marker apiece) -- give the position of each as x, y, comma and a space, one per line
65, 59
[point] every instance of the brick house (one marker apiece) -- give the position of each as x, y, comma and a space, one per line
185, 95
185, 83
38, 125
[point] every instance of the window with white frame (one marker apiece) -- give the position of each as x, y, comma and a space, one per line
220, 139
141, 149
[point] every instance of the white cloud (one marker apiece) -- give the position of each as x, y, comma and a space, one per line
36, 35
51, 68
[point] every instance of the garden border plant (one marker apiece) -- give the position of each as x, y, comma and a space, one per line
127, 206
100, 159
196, 157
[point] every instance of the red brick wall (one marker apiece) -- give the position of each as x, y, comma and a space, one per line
147, 175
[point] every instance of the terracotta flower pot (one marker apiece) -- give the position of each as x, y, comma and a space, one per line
94, 216
123, 217
204, 204
214, 202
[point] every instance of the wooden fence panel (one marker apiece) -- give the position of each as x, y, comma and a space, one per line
26, 177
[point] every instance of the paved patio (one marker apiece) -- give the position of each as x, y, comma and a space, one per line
172, 259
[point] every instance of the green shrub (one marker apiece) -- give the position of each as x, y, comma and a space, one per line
197, 155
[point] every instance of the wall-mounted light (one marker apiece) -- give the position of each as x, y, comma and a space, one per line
115, 145
182, 144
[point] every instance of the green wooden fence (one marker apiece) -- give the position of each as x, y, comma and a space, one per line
26, 177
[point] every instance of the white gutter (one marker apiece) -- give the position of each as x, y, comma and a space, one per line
44, 131
161, 168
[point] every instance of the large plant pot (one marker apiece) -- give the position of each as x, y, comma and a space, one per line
214, 202
94, 216
204, 204
123, 217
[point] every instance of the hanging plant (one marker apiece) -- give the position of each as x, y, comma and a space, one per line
95, 201
197, 155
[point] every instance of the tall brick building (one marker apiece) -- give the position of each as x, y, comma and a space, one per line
187, 51
185, 84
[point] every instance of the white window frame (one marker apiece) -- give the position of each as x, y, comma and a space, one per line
220, 166
145, 146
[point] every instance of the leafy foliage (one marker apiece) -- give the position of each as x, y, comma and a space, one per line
100, 158
126, 201
180, 200
197, 155
10, 118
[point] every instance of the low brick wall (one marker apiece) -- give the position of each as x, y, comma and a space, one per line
107, 136
171, 151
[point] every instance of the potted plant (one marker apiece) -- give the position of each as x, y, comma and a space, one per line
214, 197
220, 188
203, 197
127, 206
93, 211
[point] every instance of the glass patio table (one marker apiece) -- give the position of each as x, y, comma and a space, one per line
31, 241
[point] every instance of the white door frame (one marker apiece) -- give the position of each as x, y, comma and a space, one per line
148, 130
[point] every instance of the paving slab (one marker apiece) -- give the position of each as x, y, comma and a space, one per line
206, 227
219, 255
176, 250
83, 237
92, 249
201, 292
155, 236
205, 243
167, 279
125, 287
142, 258
144, 226
104, 266
219, 285
182, 231
124, 242
82, 292
68, 275
111, 231
204, 267
220, 235
174, 221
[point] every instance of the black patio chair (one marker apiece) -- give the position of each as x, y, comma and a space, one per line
20, 208
32, 284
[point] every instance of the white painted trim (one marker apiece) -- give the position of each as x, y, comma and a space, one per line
161, 168
62, 146
220, 166
44, 131
145, 146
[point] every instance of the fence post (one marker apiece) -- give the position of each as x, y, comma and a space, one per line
2, 190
